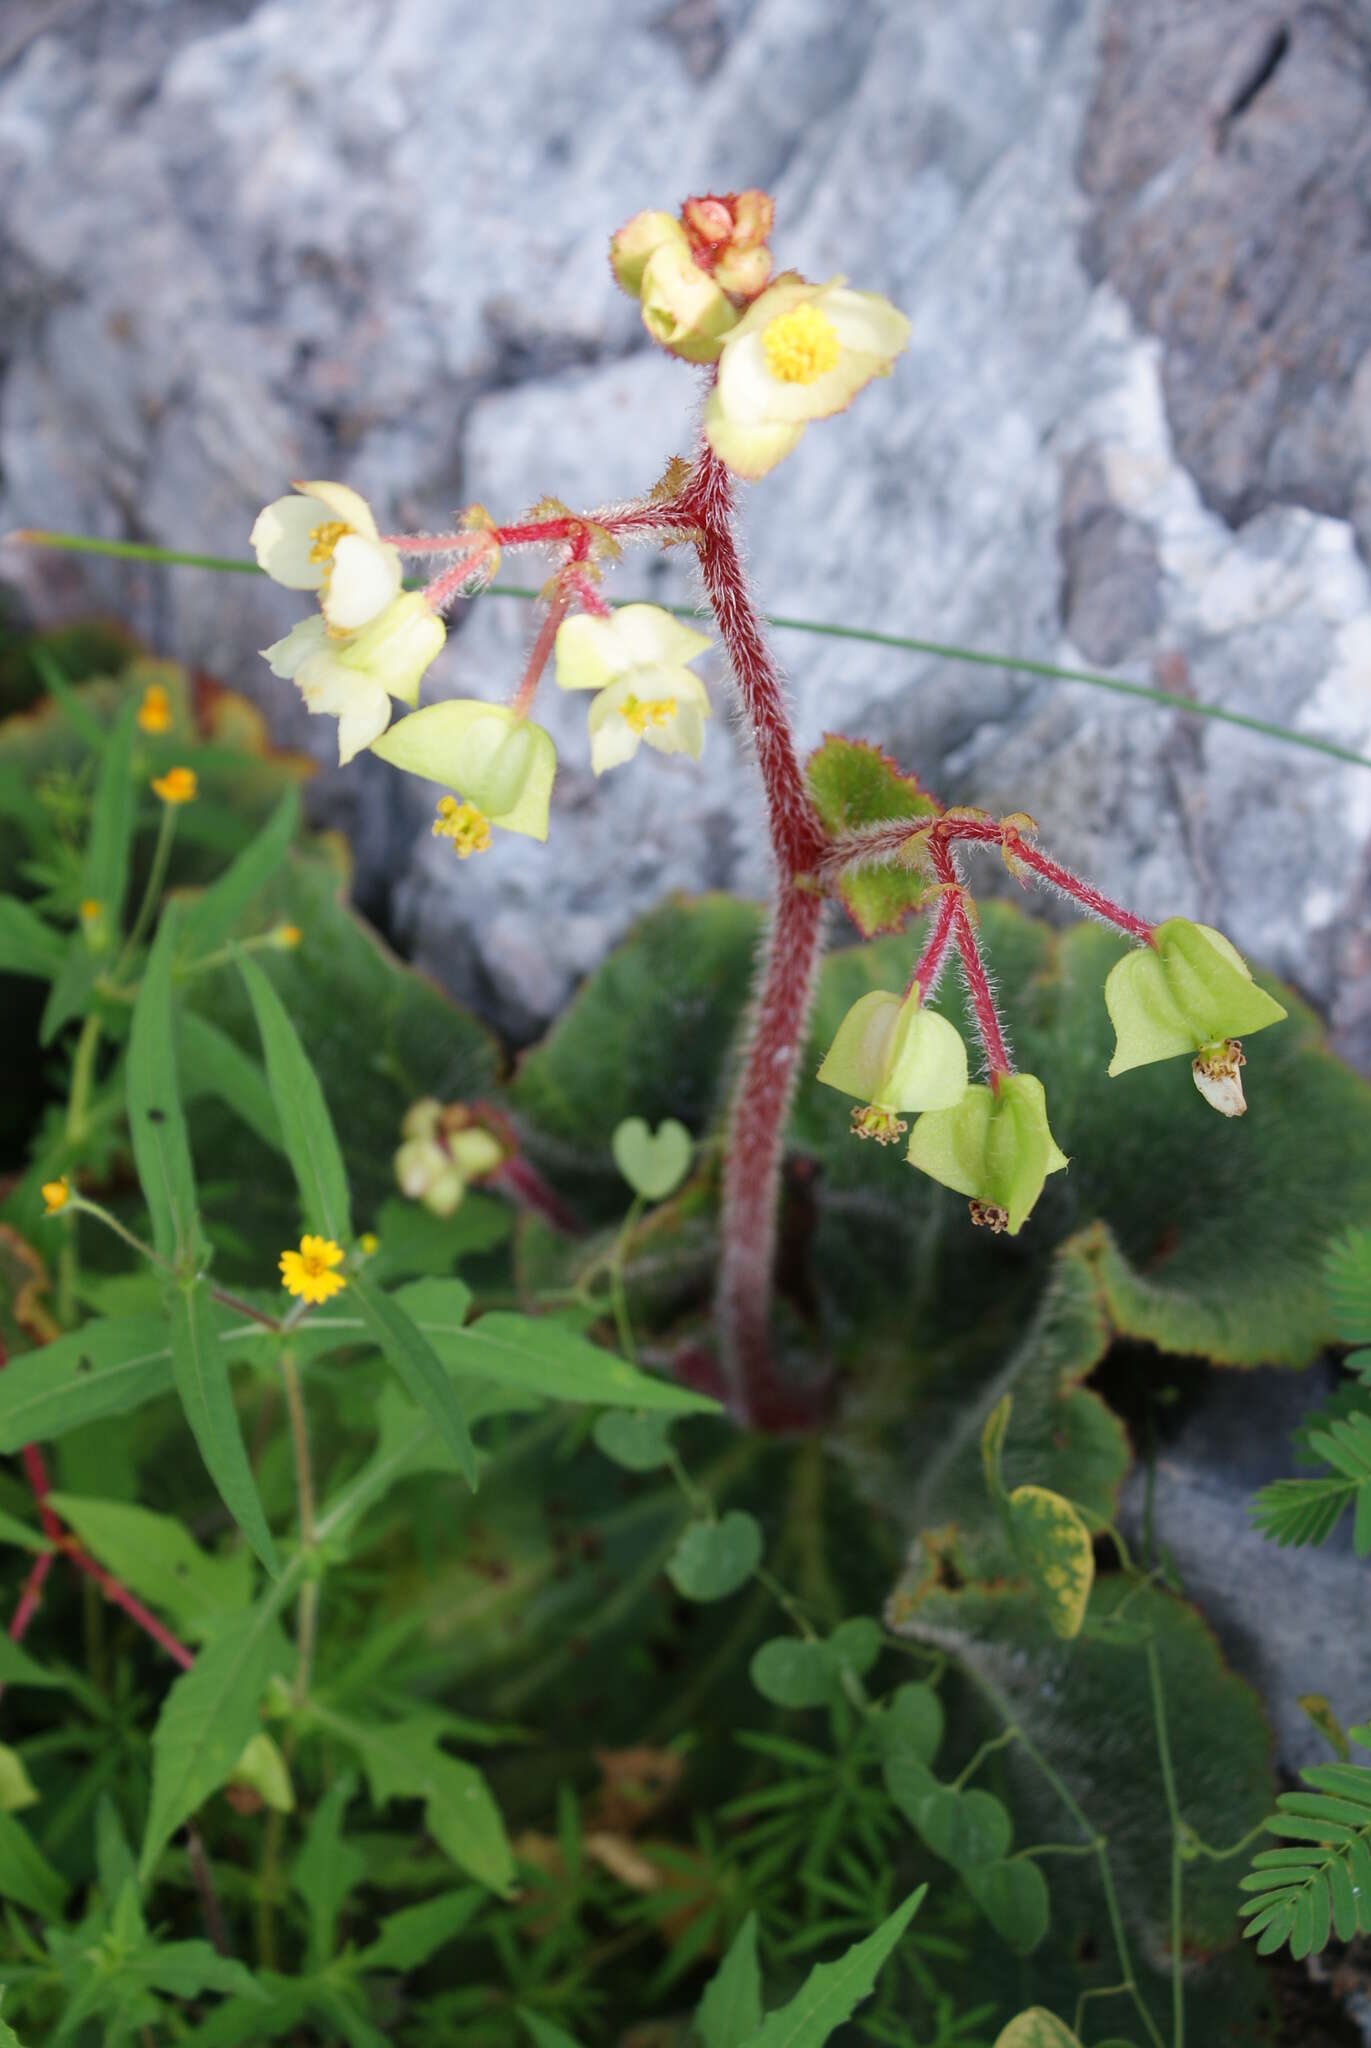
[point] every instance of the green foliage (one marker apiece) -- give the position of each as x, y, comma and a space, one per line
1306, 1895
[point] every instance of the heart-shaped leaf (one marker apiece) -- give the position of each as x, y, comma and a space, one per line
654, 1163
713, 1559
640, 1443
965, 1828
1013, 1897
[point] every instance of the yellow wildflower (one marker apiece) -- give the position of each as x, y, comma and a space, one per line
56, 1195
177, 786
309, 1272
154, 713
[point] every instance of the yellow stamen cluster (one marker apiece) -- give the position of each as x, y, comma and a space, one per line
310, 1271
800, 345
154, 713
177, 786
881, 1124
464, 825
638, 716
325, 538
56, 1195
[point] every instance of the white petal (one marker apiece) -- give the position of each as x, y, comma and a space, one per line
867, 323
589, 653
397, 647
365, 577
751, 396
360, 705
285, 656
364, 720
612, 739
649, 634
749, 451
345, 504
282, 537
781, 296
683, 734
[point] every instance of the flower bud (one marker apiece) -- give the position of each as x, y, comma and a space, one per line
892, 1054
753, 213
743, 272
636, 241
994, 1147
1187, 993
444, 1150
708, 220
683, 308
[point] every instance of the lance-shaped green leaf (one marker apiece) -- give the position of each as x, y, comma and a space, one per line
26, 1876
206, 1721
157, 1124
408, 1938
306, 1126
104, 1368
832, 1991
211, 918
731, 2009
104, 872
212, 1063
27, 945
418, 1368
1013, 1896
158, 1559
199, 1365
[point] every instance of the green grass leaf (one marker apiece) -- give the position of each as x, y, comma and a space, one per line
157, 1124
199, 1366
105, 1368
418, 1368
210, 919
206, 1721
306, 1126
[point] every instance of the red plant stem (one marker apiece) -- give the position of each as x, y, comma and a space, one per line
929, 964
1089, 898
134, 1608
541, 649
526, 1186
753, 1158
973, 967
30, 1599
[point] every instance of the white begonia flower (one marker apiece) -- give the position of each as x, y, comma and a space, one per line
635, 662
800, 352
323, 537
354, 678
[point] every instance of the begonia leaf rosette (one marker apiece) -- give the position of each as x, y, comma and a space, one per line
894, 1055
635, 662
1189, 993
323, 537
352, 677
994, 1147
503, 765
801, 352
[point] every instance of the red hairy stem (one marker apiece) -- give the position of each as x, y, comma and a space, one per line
929, 964
121, 1597
752, 1169
541, 649
1089, 898
31, 1598
973, 968
526, 1186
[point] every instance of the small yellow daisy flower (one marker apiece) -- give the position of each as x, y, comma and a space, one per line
287, 935
177, 786
368, 1244
309, 1273
56, 1195
154, 713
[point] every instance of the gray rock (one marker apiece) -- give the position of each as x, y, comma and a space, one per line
250, 239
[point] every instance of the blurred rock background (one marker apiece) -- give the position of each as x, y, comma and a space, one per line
243, 240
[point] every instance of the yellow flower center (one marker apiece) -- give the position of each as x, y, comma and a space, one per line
467, 827
325, 539
309, 1272
800, 345
638, 716
154, 713
177, 786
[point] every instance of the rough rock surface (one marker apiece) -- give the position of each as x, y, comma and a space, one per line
248, 239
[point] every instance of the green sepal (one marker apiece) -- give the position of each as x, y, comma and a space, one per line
497, 761
994, 1147
892, 1052
1188, 989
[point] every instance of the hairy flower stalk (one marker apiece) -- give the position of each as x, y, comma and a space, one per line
784, 354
